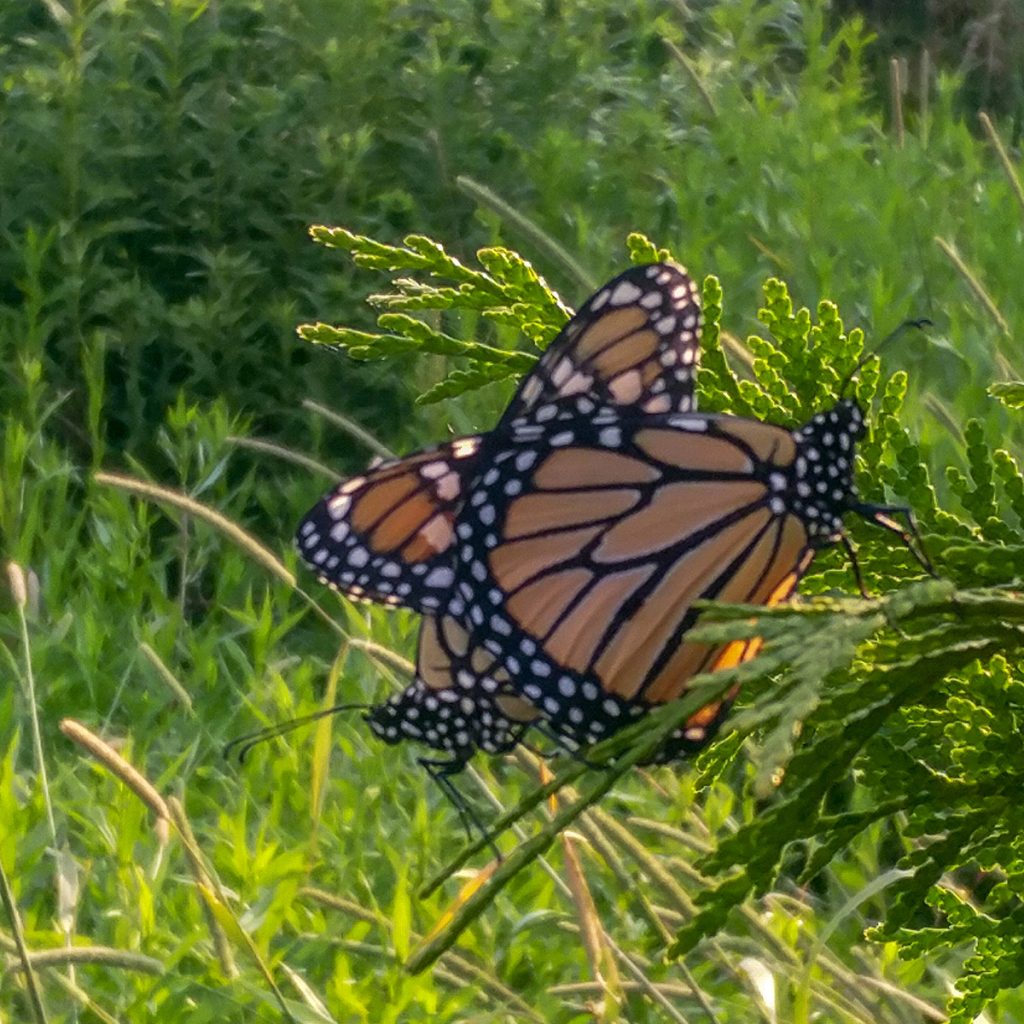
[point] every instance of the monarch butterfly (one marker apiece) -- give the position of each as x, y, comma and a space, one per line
387, 536
558, 557
402, 513
459, 701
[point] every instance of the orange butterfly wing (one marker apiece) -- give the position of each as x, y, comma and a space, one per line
459, 701
634, 343
387, 535
602, 550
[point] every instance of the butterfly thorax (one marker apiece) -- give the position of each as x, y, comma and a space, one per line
822, 471
441, 720
454, 719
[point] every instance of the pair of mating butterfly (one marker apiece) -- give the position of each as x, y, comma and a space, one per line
556, 559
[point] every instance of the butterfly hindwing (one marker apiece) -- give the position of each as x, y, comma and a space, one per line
460, 700
386, 535
634, 343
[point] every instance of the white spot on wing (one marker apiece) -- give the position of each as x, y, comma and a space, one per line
624, 293
339, 505
441, 576
448, 487
688, 423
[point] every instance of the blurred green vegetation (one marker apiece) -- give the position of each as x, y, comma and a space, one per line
161, 162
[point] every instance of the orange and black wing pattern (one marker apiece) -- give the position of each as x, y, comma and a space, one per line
703, 725
635, 344
592, 560
558, 559
460, 701
387, 535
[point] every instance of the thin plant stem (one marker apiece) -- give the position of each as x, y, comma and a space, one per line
896, 99
633, 968
974, 284
482, 194
924, 95
1004, 157
350, 427
34, 997
687, 65
296, 458
33, 712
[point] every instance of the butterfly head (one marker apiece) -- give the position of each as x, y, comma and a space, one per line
439, 718
824, 469
390, 721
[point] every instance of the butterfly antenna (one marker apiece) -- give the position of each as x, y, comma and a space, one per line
244, 744
855, 565
920, 325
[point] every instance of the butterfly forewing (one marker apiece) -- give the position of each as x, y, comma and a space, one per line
580, 562
386, 536
635, 343
701, 727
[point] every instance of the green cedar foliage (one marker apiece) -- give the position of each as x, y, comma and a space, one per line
917, 693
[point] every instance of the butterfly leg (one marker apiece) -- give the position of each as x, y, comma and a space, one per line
441, 772
562, 750
568, 747
883, 515
855, 565
562, 745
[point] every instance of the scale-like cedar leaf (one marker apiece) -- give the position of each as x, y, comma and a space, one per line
1009, 392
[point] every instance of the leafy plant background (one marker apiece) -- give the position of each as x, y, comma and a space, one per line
161, 165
